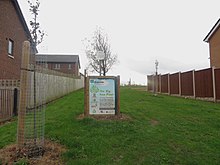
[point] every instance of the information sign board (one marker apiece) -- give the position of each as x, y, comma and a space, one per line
102, 96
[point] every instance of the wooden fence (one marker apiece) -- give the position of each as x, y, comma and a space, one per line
56, 84
217, 86
186, 81
8, 98
204, 84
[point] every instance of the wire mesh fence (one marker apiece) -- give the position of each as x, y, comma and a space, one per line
31, 118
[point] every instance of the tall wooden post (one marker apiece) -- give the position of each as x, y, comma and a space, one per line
214, 85
194, 84
180, 85
86, 94
168, 79
23, 92
118, 95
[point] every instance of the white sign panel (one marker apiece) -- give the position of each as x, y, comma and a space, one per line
100, 55
101, 96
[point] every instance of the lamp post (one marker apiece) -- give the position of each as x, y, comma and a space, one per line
100, 56
156, 66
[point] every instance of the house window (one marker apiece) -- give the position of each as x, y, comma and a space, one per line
69, 66
10, 47
57, 66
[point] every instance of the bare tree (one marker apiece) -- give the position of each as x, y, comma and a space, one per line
31, 121
37, 37
36, 33
100, 43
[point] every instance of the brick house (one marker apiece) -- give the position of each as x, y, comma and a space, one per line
213, 38
13, 32
68, 64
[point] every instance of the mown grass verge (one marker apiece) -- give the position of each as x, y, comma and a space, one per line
162, 130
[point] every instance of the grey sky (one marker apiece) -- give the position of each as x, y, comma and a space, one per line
140, 31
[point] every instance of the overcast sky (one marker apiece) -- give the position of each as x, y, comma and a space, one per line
139, 31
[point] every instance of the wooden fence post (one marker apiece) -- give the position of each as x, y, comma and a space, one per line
23, 92
214, 85
168, 79
160, 83
118, 95
180, 87
86, 101
194, 84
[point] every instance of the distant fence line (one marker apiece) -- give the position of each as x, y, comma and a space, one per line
197, 84
56, 73
56, 85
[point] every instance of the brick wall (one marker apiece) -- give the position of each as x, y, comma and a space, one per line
64, 67
214, 48
10, 28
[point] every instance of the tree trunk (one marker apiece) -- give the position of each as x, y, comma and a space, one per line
104, 70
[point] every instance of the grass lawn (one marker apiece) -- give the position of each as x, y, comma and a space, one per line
163, 130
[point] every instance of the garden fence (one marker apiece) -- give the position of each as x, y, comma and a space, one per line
204, 84
8, 99
57, 85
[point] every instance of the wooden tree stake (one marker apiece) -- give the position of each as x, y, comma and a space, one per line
23, 92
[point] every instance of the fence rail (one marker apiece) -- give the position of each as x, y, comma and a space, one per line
198, 84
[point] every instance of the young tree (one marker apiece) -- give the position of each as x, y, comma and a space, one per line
37, 37
36, 33
100, 43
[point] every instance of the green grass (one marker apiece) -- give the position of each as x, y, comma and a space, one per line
8, 134
163, 130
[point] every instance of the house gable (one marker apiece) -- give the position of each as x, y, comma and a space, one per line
21, 18
212, 31
213, 38
69, 64
13, 32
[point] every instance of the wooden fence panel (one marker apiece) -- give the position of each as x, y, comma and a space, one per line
8, 98
164, 83
174, 83
55, 86
217, 83
150, 82
203, 83
192, 83
6, 104
187, 83
157, 85
153, 83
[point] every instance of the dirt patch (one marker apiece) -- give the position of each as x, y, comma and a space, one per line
52, 155
154, 122
106, 117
